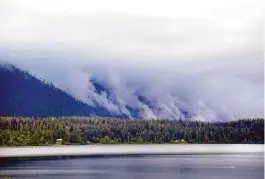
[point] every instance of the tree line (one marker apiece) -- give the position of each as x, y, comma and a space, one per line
24, 131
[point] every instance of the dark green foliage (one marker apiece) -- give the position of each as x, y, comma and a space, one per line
22, 94
15, 131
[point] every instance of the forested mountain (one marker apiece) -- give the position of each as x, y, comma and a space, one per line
22, 94
16, 131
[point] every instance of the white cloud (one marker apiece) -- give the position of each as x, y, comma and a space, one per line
203, 55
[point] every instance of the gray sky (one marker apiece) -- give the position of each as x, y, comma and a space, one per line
204, 55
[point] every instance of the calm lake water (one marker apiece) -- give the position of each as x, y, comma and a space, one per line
214, 166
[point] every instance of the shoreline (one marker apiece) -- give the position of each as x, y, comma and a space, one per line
128, 149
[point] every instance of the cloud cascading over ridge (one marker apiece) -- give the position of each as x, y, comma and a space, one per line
204, 56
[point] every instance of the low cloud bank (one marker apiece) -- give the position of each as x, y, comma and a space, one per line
207, 61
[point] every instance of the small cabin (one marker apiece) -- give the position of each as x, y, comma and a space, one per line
183, 141
59, 142
177, 141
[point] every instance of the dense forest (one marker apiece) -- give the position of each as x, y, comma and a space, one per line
19, 131
25, 95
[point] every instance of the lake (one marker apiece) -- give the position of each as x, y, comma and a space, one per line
222, 166
225, 165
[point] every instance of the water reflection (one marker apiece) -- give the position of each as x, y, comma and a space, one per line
244, 166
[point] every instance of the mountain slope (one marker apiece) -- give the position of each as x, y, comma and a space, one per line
140, 106
22, 94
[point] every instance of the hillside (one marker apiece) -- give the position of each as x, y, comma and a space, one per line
22, 94
25, 95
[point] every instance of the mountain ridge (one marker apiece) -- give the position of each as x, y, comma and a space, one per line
26, 95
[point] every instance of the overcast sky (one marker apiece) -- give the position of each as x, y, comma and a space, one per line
206, 55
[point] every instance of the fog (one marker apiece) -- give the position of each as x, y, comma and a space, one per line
202, 56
